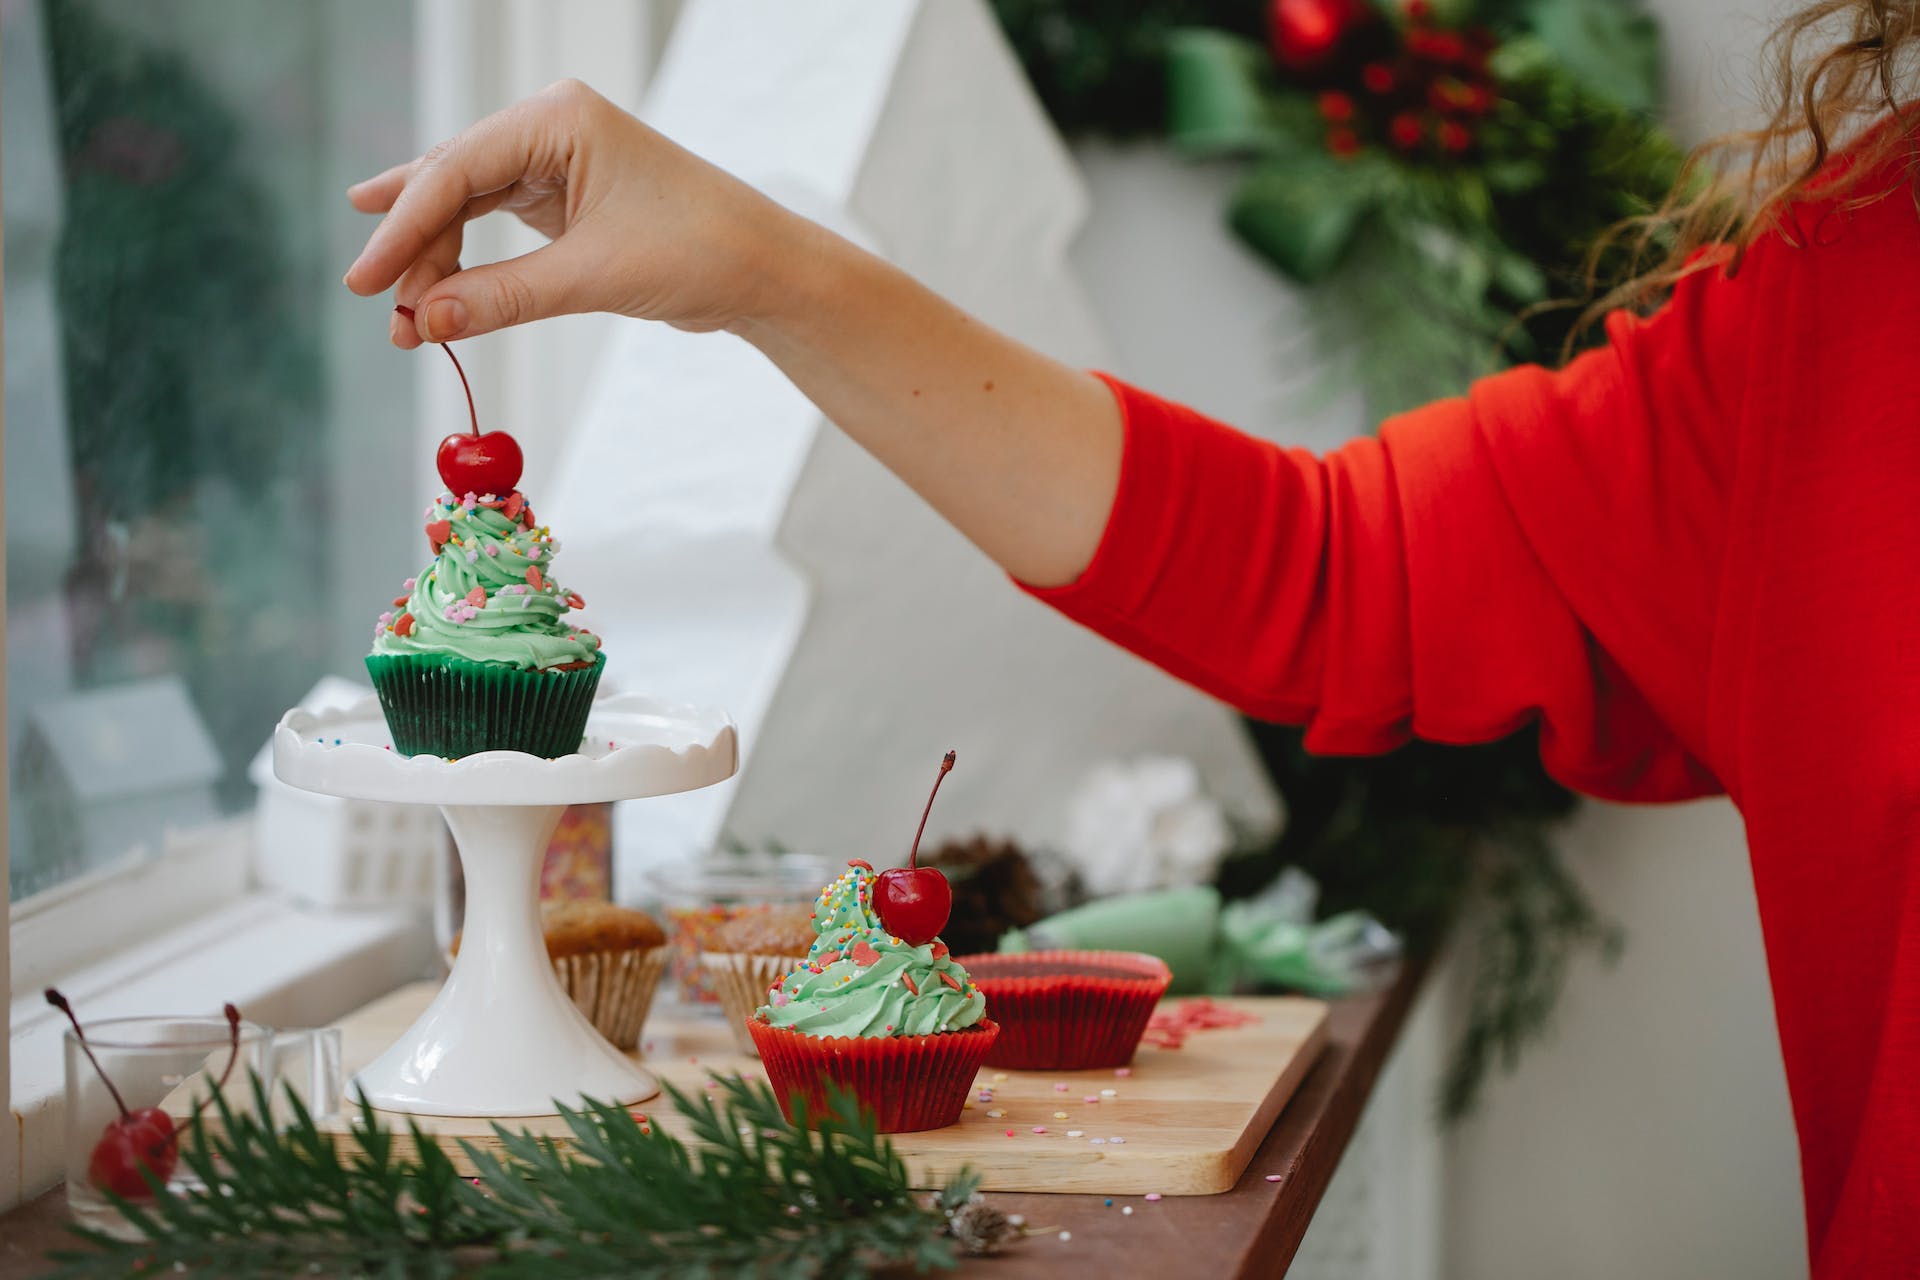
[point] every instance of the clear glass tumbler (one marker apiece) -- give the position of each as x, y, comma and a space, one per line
162, 1071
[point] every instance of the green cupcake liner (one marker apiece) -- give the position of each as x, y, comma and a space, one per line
441, 706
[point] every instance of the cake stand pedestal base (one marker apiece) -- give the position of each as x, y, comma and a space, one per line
502, 1038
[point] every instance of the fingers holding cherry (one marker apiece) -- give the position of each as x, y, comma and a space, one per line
476, 461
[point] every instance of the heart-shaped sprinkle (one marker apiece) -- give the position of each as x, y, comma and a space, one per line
831, 957
526, 517
574, 601
939, 949
403, 625
438, 532
864, 955
511, 507
948, 979
534, 578
399, 602
477, 597
907, 980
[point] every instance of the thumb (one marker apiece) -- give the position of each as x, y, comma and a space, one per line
499, 295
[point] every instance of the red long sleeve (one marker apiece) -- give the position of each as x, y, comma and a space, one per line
1477, 567
1689, 557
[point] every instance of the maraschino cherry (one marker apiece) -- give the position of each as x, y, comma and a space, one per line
913, 901
143, 1140
473, 462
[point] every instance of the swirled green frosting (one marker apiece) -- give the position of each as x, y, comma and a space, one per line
487, 596
860, 980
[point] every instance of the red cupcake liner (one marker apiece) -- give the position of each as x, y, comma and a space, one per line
1068, 1021
910, 1082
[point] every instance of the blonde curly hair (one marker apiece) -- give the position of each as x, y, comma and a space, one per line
1842, 75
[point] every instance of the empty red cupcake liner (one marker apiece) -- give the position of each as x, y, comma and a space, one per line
910, 1082
1068, 1021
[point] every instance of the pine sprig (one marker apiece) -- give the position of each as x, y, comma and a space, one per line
751, 1195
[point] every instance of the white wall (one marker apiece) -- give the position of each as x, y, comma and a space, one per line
1651, 1136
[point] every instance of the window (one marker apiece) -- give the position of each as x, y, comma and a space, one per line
211, 469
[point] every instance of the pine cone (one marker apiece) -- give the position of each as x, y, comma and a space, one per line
978, 1227
994, 889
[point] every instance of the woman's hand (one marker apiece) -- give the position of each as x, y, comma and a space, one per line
1020, 453
638, 225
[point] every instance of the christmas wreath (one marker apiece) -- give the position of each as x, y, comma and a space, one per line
1436, 177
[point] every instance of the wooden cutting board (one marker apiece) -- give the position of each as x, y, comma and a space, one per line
1182, 1121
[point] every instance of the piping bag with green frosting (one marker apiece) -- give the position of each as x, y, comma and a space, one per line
876, 967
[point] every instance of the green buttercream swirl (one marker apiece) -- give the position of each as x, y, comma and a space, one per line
518, 624
833, 994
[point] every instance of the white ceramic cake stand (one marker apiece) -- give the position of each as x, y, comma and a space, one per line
502, 1038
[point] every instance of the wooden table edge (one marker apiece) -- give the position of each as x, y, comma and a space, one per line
1312, 1133
1303, 1147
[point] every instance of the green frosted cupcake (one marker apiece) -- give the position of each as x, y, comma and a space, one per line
479, 654
898, 1024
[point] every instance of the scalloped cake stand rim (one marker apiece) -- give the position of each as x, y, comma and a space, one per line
654, 748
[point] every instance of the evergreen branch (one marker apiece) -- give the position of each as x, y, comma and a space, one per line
751, 1195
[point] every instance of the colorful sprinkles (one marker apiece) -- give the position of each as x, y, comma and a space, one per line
851, 944
466, 593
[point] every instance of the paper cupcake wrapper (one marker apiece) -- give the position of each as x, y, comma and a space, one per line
451, 707
910, 1082
1068, 1022
614, 989
741, 981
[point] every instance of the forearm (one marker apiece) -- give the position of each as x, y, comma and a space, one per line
1018, 451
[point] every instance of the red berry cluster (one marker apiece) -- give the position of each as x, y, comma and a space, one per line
1428, 96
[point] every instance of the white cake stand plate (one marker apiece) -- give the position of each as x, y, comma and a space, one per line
502, 1038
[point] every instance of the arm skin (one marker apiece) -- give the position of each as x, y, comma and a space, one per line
1017, 451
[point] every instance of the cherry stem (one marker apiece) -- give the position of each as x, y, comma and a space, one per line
60, 1002
233, 1056
946, 767
472, 412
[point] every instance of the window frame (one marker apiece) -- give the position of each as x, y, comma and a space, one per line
164, 912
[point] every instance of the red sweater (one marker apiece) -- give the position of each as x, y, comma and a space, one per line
1690, 556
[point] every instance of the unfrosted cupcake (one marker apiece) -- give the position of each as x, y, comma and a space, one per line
749, 954
609, 959
479, 653
900, 1025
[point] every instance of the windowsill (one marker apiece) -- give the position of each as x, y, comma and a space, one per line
77, 925
283, 964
